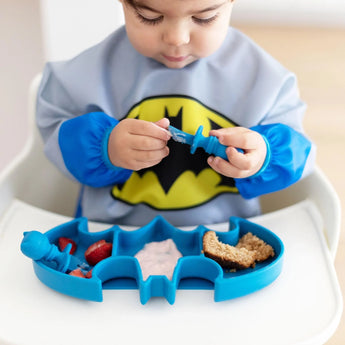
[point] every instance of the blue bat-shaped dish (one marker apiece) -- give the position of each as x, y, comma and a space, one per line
122, 270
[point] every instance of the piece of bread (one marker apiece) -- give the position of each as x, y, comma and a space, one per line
254, 244
227, 256
249, 249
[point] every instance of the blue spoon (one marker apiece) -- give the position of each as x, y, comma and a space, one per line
210, 144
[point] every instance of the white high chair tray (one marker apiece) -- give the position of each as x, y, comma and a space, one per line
303, 306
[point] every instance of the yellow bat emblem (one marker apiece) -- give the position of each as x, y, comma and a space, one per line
181, 180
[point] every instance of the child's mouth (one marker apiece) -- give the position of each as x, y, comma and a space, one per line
175, 58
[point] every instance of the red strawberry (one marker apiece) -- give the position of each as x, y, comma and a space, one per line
63, 241
98, 251
88, 274
77, 273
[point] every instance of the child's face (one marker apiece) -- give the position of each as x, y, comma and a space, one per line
177, 32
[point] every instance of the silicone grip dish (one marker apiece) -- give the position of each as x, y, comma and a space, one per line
122, 270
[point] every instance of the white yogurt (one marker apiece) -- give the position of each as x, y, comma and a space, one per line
158, 258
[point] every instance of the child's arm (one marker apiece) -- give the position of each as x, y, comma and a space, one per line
289, 155
99, 150
274, 157
76, 140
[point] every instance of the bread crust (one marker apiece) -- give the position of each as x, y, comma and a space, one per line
262, 250
227, 256
245, 254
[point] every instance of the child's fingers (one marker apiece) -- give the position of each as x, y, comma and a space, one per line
151, 156
150, 137
135, 144
228, 131
163, 123
223, 167
144, 159
240, 137
239, 165
145, 143
246, 162
150, 129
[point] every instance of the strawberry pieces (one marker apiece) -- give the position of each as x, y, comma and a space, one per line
77, 273
63, 241
88, 274
98, 252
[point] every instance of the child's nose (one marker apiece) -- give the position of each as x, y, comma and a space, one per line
176, 35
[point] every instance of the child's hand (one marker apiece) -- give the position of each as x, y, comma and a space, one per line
137, 144
244, 164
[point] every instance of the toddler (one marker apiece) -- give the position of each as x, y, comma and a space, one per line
104, 118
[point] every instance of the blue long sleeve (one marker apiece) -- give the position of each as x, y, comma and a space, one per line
83, 142
287, 155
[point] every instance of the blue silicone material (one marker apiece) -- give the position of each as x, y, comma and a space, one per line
122, 270
210, 144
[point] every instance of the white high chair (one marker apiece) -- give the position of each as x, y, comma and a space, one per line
303, 306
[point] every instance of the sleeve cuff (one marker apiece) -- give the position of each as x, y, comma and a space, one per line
287, 155
83, 142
